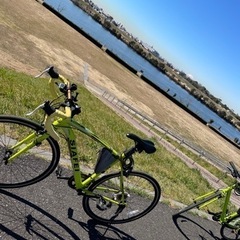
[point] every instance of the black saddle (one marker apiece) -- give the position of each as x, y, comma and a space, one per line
142, 144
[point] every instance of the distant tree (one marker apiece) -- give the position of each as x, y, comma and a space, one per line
229, 118
237, 124
107, 24
182, 74
155, 53
97, 17
237, 117
161, 65
132, 44
193, 91
154, 62
116, 33
211, 105
149, 56
222, 113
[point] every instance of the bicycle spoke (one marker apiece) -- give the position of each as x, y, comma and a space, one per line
32, 165
141, 194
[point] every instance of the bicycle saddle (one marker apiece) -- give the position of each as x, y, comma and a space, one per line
142, 144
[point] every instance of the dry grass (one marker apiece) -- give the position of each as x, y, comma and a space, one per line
32, 37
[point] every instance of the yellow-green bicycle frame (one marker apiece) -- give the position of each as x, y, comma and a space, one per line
67, 125
213, 196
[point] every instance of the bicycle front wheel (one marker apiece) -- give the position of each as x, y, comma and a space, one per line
30, 166
141, 195
231, 229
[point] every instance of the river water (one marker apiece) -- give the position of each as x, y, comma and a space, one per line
96, 31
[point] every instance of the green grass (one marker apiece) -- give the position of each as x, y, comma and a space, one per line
20, 94
195, 157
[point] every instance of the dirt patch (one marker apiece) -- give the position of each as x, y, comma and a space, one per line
32, 38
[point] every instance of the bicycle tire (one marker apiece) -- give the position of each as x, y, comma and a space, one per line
31, 166
142, 194
231, 233
197, 204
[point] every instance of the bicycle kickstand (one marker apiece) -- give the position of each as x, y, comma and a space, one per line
59, 171
119, 210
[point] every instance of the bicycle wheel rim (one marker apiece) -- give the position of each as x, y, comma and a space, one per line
142, 195
32, 166
231, 229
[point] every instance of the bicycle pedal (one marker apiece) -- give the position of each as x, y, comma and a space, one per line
58, 171
103, 205
216, 216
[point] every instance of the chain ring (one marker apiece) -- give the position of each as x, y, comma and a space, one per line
71, 181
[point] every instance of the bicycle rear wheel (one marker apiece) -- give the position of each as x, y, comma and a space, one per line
231, 229
31, 166
141, 195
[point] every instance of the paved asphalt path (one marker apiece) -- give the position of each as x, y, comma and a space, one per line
52, 210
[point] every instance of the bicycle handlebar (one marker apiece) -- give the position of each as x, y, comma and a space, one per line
71, 109
50, 70
70, 106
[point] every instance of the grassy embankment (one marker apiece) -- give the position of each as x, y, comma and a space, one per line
21, 94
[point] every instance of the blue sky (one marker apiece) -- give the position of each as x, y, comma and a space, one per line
201, 38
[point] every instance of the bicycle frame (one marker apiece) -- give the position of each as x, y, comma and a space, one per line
68, 125
213, 196
31, 150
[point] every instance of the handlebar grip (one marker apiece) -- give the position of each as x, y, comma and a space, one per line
53, 73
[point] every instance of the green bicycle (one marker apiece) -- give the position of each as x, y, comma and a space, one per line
230, 221
29, 152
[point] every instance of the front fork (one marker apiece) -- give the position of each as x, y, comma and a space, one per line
23, 146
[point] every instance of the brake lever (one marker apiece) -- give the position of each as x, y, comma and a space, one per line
44, 71
75, 98
38, 107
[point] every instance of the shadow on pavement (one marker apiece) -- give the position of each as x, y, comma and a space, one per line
191, 230
99, 231
21, 219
